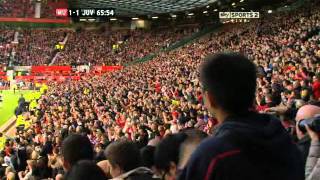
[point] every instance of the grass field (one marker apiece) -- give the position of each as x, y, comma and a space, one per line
10, 102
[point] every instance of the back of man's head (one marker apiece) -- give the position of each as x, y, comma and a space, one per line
147, 154
188, 146
231, 80
75, 148
123, 156
173, 149
166, 155
307, 111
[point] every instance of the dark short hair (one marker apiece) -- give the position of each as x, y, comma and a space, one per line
147, 154
86, 170
77, 147
231, 79
168, 150
125, 154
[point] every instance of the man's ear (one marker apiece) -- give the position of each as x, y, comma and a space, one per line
66, 165
173, 169
115, 170
209, 101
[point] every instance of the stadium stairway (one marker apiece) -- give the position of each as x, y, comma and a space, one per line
16, 37
58, 53
8, 127
187, 40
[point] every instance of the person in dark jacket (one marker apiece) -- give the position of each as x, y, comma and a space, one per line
246, 145
21, 100
22, 156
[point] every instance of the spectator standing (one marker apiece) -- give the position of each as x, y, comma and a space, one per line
247, 145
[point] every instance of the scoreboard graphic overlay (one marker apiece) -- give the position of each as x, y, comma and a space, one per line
85, 12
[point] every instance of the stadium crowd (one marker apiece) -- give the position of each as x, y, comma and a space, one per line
17, 8
116, 48
37, 47
152, 114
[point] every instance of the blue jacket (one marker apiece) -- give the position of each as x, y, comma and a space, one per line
255, 147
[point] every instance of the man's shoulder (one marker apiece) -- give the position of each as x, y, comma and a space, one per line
213, 149
216, 145
208, 156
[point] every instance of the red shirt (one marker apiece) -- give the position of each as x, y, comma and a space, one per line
175, 114
316, 90
130, 132
200, 98
121, 122
158, 87
261, 108
38, 130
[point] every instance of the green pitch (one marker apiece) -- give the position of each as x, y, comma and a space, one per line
10, 102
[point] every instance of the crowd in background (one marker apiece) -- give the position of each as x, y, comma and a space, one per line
5, 47
26, 8
116, 48
155, 104
16, 8
38, 47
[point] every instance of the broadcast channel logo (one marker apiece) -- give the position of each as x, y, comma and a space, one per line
62, 12
224, 15
239, 15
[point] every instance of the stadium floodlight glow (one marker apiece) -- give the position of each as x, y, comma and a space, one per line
113, 19
233, 4
190, 14
215, 10
205, 12
270, 11
155, 17
135, 18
